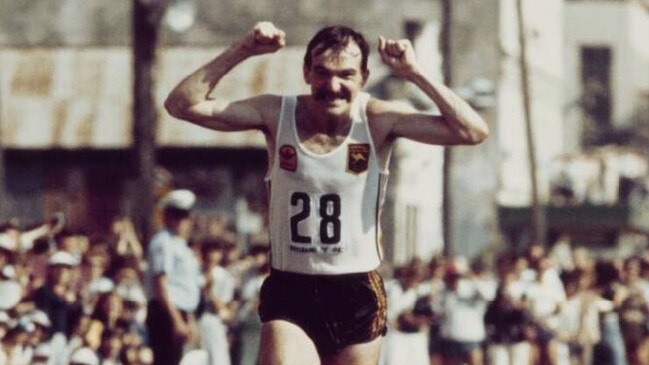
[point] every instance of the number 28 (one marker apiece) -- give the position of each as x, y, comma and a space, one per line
329, 218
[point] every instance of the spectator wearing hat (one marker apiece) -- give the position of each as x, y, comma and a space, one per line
104, 318
57, 298
134, 310
174, 279
42, 326
15, 344
84, 356
42, 354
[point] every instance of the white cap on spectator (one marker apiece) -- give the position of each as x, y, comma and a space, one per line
131, 293
4, 319
62, 258
25, 324
146, 355
40, 318
8, 272
43, 351
182, 199
101, 285
7, 243
84, 356
10, 294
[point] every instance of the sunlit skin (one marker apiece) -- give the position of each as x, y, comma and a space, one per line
335, 79
323, 119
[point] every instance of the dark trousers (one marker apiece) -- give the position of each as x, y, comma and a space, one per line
167, 348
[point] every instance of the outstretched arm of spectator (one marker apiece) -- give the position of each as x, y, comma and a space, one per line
128, 242
48, 229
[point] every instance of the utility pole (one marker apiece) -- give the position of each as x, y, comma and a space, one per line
537, 221
146, 18
4, 206
446, 51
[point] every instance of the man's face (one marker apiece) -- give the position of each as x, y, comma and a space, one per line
335, 77
61, 274
185, 226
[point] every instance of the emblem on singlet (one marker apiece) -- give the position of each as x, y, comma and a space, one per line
288, 157
358, 157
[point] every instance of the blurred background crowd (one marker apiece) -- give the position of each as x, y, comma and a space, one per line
80, 298
72, 297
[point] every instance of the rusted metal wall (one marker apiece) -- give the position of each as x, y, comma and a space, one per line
81, 98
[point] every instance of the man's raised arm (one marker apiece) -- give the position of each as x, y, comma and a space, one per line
458, 124
190, 99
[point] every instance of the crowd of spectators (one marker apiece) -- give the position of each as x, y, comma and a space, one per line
75, 298
556, 307
607, 175
69, 297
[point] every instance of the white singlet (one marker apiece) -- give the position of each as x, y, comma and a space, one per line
324, 208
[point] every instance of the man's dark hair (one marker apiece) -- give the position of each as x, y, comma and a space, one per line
336, 37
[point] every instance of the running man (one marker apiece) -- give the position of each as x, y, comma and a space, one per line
323, 302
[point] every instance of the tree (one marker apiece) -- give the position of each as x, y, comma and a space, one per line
146, 18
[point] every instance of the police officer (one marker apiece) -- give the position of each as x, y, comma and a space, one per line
174, 280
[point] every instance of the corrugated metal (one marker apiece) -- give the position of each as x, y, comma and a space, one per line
81, 98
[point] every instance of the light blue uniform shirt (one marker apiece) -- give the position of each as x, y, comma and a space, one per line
169, 254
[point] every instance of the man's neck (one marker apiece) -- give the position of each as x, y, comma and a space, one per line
313, 120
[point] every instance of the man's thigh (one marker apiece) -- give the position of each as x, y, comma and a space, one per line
357, 354
284, 343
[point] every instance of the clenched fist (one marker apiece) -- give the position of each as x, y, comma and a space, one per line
264, 37
399, 56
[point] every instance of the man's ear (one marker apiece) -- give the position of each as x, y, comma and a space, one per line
306, 74
366, 76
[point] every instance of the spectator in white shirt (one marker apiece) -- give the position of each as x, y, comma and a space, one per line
461, 307
407, 335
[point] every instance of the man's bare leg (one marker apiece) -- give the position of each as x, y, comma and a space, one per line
284, 343
359, 354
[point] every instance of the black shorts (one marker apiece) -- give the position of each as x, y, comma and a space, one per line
335, 311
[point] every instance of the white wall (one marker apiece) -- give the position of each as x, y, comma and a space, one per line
417, 175
544, 55
622, 26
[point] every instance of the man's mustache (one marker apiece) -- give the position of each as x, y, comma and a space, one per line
325, 95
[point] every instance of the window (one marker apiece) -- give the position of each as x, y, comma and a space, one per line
596, 85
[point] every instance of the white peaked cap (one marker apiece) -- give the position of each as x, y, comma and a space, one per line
84, 356
40, 318
62, 258
179, 199
8, 243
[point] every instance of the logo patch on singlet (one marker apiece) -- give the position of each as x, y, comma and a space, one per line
358, 157
288, 157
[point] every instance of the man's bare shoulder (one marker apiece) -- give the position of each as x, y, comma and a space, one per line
378, 108
267, 102
269, 107
381, 117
